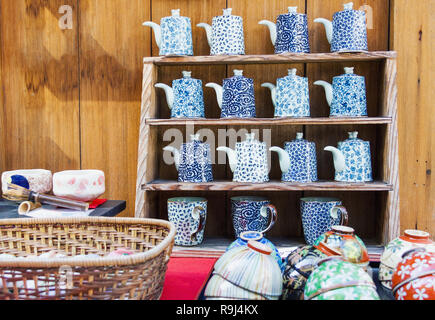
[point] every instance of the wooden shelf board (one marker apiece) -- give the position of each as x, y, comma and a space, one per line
273, 58
270, 121
164, 185
215, 247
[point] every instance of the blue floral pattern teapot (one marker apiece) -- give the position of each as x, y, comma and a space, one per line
352, 160
173, 35
290, 33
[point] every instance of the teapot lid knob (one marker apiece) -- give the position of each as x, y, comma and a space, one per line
195, 137
228, 11
250, 136
175, 12
299, 135
238, 72
292, 72
187, 74
353, 135
292, 9
349, 70
348, 6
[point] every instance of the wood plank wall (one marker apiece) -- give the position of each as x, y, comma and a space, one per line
71, 98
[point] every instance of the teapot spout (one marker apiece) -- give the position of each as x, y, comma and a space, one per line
284, 159
157, 31
176, 155
339, 159
208, 31
328, 90
328, 27
169, 93
219, 92
272, 29
272, 88
232, 157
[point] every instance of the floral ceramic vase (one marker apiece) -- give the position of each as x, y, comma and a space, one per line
247, 236
344, 240
393, 252
246, 272
336, 279
414, 278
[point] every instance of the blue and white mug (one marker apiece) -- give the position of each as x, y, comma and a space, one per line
319, 214
189, 215
252, 214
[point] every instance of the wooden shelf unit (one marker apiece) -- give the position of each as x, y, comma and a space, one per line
373, 207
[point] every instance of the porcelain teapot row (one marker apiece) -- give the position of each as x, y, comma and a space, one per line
290, 96
298, 162
346, 33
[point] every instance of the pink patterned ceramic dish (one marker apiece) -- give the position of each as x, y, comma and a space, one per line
81, 185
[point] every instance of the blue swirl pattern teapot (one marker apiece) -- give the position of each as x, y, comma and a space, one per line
185, 98
290, 96
352, 160
248, 161
173, 35
298, 161
347, 95
236, 97
290, 33
193, 161
225, 36
348, 30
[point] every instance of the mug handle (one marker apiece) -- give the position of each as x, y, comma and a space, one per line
273, 215
344, 215
197, 214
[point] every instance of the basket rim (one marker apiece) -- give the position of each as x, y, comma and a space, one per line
100, 262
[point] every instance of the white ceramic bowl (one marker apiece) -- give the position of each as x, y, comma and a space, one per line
40, 180
81, 185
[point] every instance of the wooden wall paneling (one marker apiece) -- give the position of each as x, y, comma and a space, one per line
39, 86
112, 46
412, 36
197, 10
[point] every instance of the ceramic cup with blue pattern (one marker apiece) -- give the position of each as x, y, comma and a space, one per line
193, 161
319, 214
290, 96
185, 98
290, 33
347, 95
236, 97
252, 214
298, 160
352, 160
225, 36
189, 215
348, 30
173, 35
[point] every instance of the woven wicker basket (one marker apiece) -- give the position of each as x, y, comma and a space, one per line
137, 277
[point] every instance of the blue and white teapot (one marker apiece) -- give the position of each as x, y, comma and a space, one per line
290, 33
248, 161
352, 160
173, 35
298, 160
290, 96
185, 98
193, 161
347, 95
225, 36
348, 30
236, 97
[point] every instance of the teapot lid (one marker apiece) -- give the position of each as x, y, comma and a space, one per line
292, 72
259, 247
299, 136
348, 6
353, 135
238, 73
228, 11
250, 136
195, 137
187, 74
292, 9
175, 12
349, 70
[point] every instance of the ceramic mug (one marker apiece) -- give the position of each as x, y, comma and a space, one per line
252, 214
188, 214
319, 214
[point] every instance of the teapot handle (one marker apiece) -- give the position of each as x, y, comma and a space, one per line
344, 217
273, 216
198, 213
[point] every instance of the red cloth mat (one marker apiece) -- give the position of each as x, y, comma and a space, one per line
185, 278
